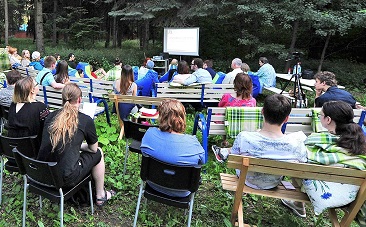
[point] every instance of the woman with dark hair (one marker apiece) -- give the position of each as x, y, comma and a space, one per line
62, 72
62, 142
25, 107
343, 145
243, 87
169, 144
183, 72
125, 85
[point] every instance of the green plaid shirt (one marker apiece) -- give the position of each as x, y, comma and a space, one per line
238, 119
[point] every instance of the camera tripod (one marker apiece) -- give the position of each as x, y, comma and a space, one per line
300, 100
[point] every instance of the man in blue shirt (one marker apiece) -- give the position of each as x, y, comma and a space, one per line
266, 74
200, 75
45, 76
326, 90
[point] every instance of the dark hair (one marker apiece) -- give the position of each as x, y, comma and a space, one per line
276, 108
327, 77
62, 71
117, 61
243, 85
264, 60
198, 62
351, 134
56, 55
70, 55
80, 71
209, 63
183, 67
126, 79
13, 76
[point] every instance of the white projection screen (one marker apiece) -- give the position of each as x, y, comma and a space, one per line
181, 41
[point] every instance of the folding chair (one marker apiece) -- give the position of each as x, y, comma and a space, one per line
135, 132
26, 145
45, 179
169, 176
4, 113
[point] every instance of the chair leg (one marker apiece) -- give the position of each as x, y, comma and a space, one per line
190, 210
40, 202
138, 204
24, 199
61, 208
91, 198
126, 156
1, 178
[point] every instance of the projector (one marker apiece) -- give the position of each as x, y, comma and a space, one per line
157, 57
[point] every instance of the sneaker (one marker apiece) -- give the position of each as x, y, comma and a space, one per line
216, 151
299, 211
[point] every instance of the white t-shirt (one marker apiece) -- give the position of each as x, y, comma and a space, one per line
288, 148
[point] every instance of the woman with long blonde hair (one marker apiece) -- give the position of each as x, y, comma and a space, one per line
62, 141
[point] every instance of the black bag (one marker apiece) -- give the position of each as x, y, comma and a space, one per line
307, 74
81, 198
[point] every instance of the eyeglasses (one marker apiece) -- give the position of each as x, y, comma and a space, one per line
320, 114
36, 84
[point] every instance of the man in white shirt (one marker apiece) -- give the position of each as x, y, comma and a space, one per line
236, 66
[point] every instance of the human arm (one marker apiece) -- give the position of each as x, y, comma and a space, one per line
134, 89
223, 101
92, 148
190, 80
56, 85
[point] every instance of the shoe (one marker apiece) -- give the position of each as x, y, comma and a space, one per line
217, 153
299, 211
102, 201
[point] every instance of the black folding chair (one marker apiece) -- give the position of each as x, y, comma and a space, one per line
26, 145
185, 178
135, 132
45, 179
4, 113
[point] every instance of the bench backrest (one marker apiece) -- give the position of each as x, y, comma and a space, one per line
143, 100
298, 170
300, 120
26, 71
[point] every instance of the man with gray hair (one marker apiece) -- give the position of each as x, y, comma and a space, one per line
326, 90
236, 66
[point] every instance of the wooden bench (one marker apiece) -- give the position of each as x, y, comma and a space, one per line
202, 94
142, 100
26, 71
53, 99
299, 120
297, 170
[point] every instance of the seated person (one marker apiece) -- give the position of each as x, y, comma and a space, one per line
269, 142
198, 76
147, 83
45, 76
114, 73
236, 66
208, 64
62, 142
172, 71
183, 72
143, 69
326, 90
25, 58
169, 144
36, 61
266, 74
62, 72
343, 145
255, 80
71, 62
14, 57
25, 107
6, 94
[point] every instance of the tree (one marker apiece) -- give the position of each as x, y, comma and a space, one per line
39, 25
6, 27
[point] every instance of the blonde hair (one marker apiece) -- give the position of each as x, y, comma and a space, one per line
66, 121
172, 116
22, 90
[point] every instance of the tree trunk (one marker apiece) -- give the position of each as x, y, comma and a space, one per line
54, 27
293, 42
114, 29
6, 27
39, 26
323, 52
107, 36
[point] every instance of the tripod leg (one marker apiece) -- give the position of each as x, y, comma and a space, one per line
287, 83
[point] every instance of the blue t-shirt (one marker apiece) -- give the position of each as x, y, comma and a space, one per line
177, 149
48, 79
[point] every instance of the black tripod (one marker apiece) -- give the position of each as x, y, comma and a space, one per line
300, 100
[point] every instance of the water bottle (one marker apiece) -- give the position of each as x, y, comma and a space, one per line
298, 71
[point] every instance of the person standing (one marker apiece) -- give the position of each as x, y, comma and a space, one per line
236, 66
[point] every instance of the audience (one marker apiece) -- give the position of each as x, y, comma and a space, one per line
71, 62
245, 67
199, 75
169, 144
6, 94
208, 64
114, 73
63, 142
14, 57
25, 58
183, 72
143, 69
236, 66
147, 83
26, 115
45, 77
81, 73
266, 74
36, 61
171, 72
62, 72
326, 90
343, 145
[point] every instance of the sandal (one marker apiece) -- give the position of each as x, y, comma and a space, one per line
104, 199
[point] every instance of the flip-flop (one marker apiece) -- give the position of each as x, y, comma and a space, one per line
104, 199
